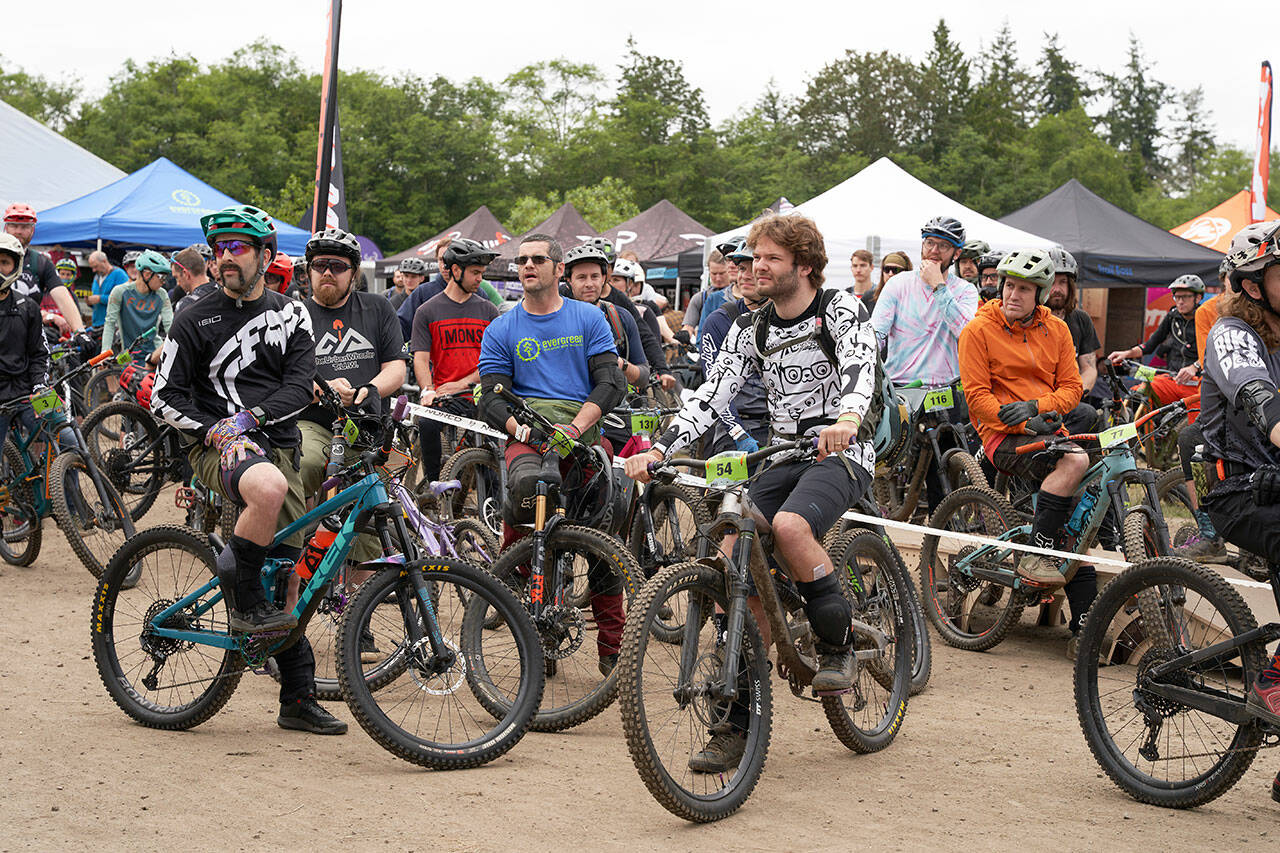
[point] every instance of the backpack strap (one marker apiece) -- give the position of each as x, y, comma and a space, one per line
615, 325
821, 334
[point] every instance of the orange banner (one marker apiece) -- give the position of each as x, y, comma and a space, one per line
1262, 157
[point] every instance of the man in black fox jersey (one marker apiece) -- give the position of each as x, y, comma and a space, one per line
234, 373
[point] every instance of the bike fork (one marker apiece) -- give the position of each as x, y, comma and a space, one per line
737, 615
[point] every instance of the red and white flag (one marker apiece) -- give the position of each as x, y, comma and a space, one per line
1262, 159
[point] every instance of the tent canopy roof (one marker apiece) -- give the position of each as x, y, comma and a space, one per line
662, 230
566, 225
43, 168
158, 205
480, 225
1214, 228
1113, 247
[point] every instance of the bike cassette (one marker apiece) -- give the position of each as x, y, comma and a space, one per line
1155, 707
562, 630
256, 648
960, 580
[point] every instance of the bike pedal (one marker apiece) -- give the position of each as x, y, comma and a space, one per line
184, 497
833, 692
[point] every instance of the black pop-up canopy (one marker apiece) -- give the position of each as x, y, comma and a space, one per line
1112, 247
566, 225
481, 225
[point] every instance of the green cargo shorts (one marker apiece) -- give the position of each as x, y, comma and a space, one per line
206, 466
315, 456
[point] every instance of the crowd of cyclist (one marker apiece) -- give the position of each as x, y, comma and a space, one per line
244, 330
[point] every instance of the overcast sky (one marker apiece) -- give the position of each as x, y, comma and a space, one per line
730, 50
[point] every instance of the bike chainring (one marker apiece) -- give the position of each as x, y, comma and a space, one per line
256, 648
562, 630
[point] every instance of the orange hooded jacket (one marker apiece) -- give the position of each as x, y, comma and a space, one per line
1004, 363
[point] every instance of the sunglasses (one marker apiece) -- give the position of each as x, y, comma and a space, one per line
333, 265
538, 260
892, 270
235, 247
989, 276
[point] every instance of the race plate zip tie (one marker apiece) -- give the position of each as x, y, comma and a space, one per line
470, 424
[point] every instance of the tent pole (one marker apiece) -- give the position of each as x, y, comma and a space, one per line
99, 244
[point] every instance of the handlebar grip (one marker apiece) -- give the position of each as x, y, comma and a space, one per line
506, 394
401, 406
101, 357
1033, 447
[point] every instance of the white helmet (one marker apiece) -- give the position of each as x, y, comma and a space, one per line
1253, 248
12, 246
628, 269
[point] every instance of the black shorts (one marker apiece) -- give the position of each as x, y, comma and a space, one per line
1034, 467
819, 492
1242, 522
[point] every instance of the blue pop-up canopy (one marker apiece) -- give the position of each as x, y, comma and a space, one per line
159, 205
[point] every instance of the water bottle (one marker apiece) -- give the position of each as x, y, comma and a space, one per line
1083, 508
314, 552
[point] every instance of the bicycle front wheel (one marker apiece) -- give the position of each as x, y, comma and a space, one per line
20, 530
477, 469
159, 681
867, 718
431, 713
1155, 748
669, 714
96, 525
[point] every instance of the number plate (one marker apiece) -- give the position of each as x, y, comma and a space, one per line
644, 424
1145, 372
938, 400
1117, 435
350, 431
58, 354
46, 401
725, 469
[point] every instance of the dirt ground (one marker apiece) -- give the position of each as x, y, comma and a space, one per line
990, 757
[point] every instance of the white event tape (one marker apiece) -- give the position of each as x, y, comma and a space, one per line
418, 412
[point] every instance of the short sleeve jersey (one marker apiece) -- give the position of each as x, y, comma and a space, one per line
451, 332
546, 355
1234, 356
1083, 333
38, 278
352, 342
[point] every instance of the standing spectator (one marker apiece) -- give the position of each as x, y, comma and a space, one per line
893, 263
38, 278
106, 277
1062, 302
861, 263
396, 295
191, 273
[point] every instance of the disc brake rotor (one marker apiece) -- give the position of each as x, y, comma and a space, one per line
562, 630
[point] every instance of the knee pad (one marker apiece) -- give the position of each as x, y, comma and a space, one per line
830, 614
522, 489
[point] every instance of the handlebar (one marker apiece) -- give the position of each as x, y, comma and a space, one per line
1165, 413
751, 458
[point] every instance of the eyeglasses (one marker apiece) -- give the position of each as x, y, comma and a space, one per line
938, 245
989, 276
538, 260
333, 265
892, 270
235, 247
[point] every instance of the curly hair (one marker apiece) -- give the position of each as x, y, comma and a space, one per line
799, 236
1241, 306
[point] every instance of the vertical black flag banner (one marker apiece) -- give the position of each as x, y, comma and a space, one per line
328, 204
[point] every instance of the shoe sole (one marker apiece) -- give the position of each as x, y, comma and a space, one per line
1042, 583
294, 724
237, 627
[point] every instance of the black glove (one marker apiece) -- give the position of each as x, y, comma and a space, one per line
1265, 483
1016, 413
1044, 424
682, 336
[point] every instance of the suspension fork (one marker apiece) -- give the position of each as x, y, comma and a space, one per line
737, 615
69, 437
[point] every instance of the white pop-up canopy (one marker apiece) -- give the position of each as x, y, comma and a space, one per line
43, 168
882, 209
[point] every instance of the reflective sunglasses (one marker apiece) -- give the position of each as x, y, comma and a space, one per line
235, 247
333, 265
538, 260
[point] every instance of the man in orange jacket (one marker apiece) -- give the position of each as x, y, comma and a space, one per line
1020, 376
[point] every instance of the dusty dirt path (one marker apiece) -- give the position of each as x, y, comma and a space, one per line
990, 757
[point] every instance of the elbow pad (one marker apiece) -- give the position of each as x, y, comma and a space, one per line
492, 408
1261, 402
610, 384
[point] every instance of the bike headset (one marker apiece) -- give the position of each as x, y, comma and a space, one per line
12, 246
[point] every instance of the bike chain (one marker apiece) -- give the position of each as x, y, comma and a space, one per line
1269, 740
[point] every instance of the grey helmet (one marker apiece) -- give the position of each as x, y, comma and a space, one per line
605, 247
413, 266
1064, 262
588, 251
1252, 250
1033, 265
334, 241
944, 228
1194, 283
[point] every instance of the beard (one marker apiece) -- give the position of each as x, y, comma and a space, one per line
232, 278
780, 287
1057, 302
329, 293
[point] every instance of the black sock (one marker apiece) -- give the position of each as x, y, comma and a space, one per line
1051, 516
1081, 590
249, 559
829, 612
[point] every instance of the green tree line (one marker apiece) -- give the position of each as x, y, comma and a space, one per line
420, 154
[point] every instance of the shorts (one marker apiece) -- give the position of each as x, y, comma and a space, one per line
315, 456
819, 492
206, 466
1167, 390
1034, 467
1242, 522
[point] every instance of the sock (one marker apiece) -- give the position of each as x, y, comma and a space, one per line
1207, 530
1081, 590
1051, 516
249, 559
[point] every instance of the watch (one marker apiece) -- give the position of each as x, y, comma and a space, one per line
259, 414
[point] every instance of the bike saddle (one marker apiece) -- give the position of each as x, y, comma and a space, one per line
440, 487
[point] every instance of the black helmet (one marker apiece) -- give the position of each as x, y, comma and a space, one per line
467, 253
334, 241
944, 228
588, 251
413, 266
989, 261
605, 247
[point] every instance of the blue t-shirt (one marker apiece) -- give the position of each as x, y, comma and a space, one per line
103, 287
710, 303
546, 354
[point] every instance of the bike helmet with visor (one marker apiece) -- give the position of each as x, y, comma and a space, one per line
586, 252
944, 228
11, 246
241, 221
153, 261
465, 252
1194, 283
1033, 265
18, 212
335, 241
1064, 262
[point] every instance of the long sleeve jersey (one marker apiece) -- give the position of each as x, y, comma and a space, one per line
220, 359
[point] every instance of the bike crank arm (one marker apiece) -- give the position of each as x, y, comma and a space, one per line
880, 638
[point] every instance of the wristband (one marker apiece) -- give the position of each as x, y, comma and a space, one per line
736, 431
851, 418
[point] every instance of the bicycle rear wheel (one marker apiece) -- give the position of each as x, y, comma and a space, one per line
867, 718
125, 442
1157, 749
161, 682
20, 528
431, 713
95, 526
968, 613
668, 714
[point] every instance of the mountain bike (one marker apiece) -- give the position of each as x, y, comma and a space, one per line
442, 696
972, 593
51, 472
1166, 657
575, 579
935, 432
1159, 450
674, 696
